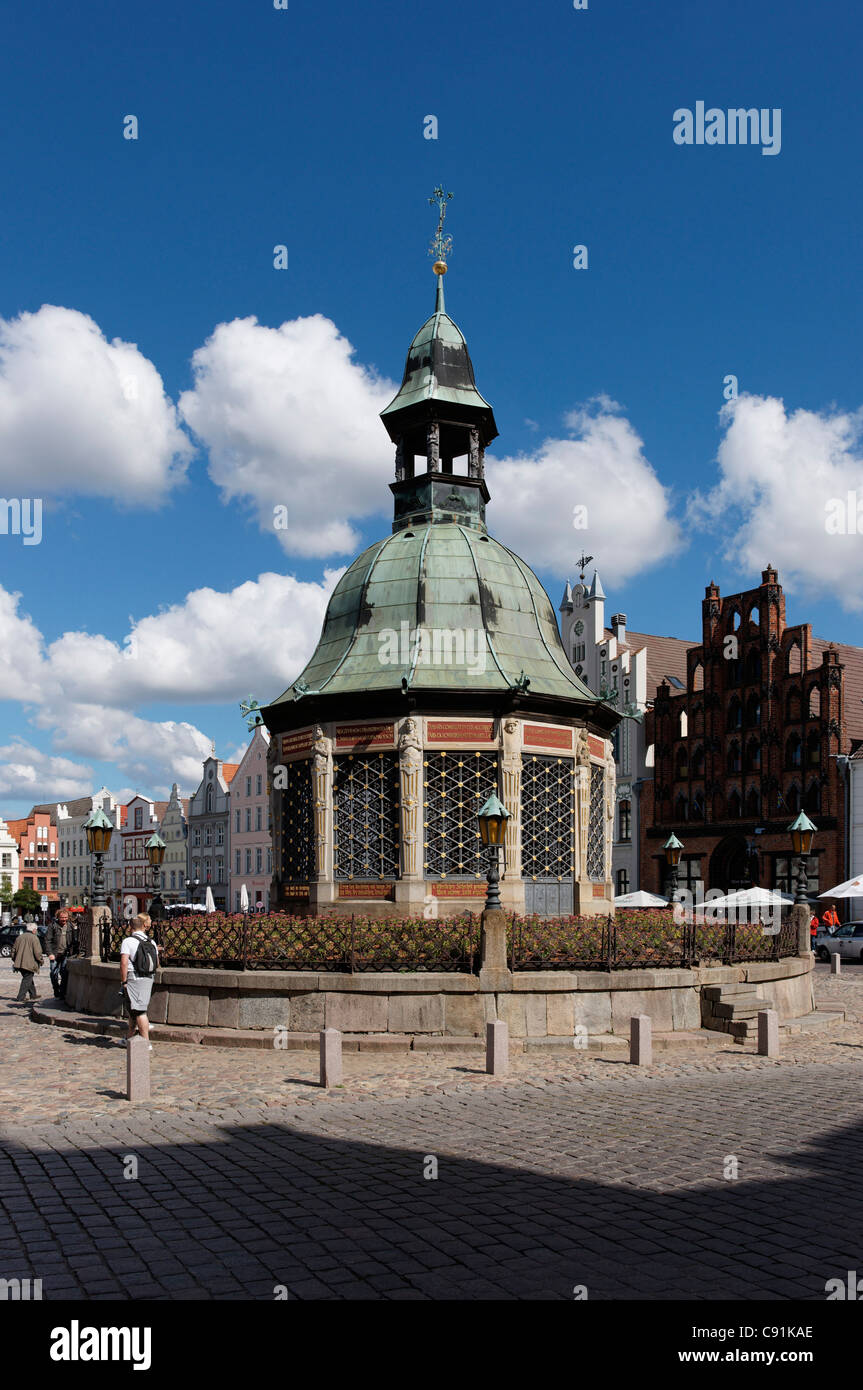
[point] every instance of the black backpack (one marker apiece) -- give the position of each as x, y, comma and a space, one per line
146, 959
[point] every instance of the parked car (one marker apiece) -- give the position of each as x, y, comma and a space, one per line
846, 941
8, 936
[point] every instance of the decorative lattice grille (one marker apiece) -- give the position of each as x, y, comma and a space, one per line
456, 787
297, 824
366, 803
596, 825
546, 817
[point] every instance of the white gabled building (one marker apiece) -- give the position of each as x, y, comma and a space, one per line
626, 667
75, 862
8, 858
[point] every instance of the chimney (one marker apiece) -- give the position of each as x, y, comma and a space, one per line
618, 627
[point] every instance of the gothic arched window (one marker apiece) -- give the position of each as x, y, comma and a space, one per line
793, 751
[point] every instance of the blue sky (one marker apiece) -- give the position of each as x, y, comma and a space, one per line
260, 127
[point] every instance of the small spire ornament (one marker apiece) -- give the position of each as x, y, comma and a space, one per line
440, 246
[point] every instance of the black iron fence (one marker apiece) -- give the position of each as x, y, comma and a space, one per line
627, 941
218, 941
624, 942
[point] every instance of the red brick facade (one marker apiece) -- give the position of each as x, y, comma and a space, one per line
751, 740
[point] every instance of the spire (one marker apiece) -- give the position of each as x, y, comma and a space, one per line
596, 589
566, 601
438, 302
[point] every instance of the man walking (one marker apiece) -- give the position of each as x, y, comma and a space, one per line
27, 958
139, 960
58, 944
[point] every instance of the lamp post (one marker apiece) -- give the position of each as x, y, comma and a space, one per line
802, 833
99, 831
672, 848
155, 848
192, 885
492, 828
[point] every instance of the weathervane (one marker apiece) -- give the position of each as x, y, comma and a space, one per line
583, 562
440, 246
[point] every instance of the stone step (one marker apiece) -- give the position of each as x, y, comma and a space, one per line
721, 991
744, 1006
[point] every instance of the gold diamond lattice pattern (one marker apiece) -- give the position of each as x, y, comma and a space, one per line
547, 809
366, 804
457, 784
596, 825
297, 824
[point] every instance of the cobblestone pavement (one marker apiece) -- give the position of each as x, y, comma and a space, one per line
570, 1172
54, 1074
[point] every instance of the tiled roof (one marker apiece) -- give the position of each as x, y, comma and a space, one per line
666, 657
78, 807
48, 808
17, 827
229, 771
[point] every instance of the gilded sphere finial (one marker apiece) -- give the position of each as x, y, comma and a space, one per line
439, 267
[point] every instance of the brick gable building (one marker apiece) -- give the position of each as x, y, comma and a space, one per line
767, 715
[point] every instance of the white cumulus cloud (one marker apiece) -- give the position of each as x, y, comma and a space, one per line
290, 419
594, 488
31, 775
79, 414
781, 475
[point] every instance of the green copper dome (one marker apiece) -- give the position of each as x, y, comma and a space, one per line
438, 368
442, 607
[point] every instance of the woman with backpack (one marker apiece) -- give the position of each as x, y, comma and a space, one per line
139, 961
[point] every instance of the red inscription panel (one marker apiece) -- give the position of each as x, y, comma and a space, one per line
596, 746
363, 735
544, 737
459, 890
365, 890
460, 730
298, 742
599, 890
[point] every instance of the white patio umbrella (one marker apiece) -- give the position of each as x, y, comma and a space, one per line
750, 897
209, 901
851, 888
640, 899
244, 898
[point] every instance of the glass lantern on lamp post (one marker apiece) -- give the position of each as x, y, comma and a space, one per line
673, 848
492, 828
802, 833
155, 848
99, 831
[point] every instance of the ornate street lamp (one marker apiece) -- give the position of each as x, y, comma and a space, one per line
802, 833
492, 828
155, 848
99, 831
673, 848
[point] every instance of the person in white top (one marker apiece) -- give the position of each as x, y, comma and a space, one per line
137, 984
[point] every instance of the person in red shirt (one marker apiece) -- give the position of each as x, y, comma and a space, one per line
813, 929
831, 917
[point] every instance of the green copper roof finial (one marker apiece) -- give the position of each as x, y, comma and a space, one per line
440, 246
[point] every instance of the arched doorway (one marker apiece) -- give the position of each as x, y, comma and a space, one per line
733, 864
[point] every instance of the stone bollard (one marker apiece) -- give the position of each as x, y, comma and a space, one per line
331, 1057
768, 1033
137, 1069
640, 1041
497, 1048
835, 963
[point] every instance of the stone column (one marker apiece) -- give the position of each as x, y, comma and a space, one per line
473, 456
494, 974
584, 892
512, 888
411, 886
433, 447
322, 804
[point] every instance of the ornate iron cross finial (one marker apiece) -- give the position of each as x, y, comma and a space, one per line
583, 562
440, 246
